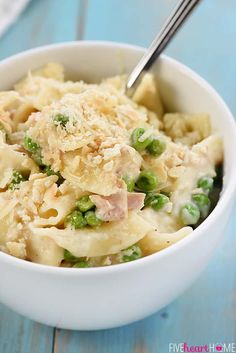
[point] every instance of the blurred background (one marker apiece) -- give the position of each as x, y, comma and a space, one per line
207, 311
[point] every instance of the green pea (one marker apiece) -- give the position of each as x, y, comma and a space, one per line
92, 219
130, 183
68, 256
130, 254
203, 202
84, 203
17, 178
156, 201
37, 157
147, 181
206, 183
136, 139
61, 119
49, 171
76, 220
78, 262
34, 149
189, 214
156, 147
30, 145
81, 264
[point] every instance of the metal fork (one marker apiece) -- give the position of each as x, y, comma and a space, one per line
170, 28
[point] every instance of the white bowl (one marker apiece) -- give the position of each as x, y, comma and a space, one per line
98, 298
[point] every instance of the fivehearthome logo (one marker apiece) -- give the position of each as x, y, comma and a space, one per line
210, 347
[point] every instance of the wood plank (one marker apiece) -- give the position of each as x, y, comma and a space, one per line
204, 43
20, 335
43, 22
135, 21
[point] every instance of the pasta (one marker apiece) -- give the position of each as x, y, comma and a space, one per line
90, 177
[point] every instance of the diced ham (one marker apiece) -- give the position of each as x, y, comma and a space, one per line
128, 154
111, 208
135, 200
115, 207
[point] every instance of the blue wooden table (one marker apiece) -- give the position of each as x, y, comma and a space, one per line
207, 311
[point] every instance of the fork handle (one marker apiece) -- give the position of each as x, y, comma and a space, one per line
170, 28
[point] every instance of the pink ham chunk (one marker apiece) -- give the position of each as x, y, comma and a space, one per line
135, 200
115, 207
